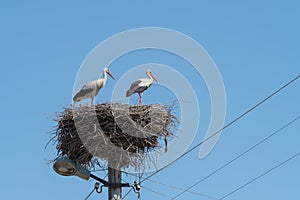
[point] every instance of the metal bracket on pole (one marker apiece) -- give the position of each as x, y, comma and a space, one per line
117, 185
104, 182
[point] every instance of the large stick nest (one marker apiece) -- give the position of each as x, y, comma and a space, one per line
112, 132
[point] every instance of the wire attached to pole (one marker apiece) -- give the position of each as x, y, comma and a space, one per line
96, 188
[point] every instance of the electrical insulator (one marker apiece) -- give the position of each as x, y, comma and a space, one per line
137, 186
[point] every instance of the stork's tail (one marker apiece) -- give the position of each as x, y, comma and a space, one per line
76, 98
128, 93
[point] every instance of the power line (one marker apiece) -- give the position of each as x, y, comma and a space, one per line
127, 193
88, 196
183, 189
180, 188
161, 194
240, 155
226, 126
176, 187
260, 176
96, 187
169, 186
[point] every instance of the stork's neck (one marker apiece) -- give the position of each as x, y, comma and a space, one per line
104, 77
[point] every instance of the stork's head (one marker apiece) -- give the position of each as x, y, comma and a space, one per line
149, 73
106, 70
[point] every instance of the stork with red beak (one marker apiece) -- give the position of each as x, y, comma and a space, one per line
141, 85
91, 89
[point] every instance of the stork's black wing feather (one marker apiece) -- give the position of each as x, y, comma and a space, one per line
84, 91
132, 88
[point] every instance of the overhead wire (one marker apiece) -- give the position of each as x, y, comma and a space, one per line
153, 191
240, 155
96, 187
182, 189
224, 127
175, 187
88, 196
260, 176
127, 193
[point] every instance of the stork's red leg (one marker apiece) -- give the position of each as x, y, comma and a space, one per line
141, 100
92, 101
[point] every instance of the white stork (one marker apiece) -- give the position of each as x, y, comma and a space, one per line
141, 85
91, 89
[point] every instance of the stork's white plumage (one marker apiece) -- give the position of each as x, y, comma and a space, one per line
91, 89
141, 85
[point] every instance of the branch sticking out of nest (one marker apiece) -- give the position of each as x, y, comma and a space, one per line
116, 133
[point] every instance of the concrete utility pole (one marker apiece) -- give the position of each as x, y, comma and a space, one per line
114, 184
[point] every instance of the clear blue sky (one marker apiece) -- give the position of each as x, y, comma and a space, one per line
255, 45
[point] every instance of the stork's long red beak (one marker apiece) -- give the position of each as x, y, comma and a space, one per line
153, 77
110, 75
